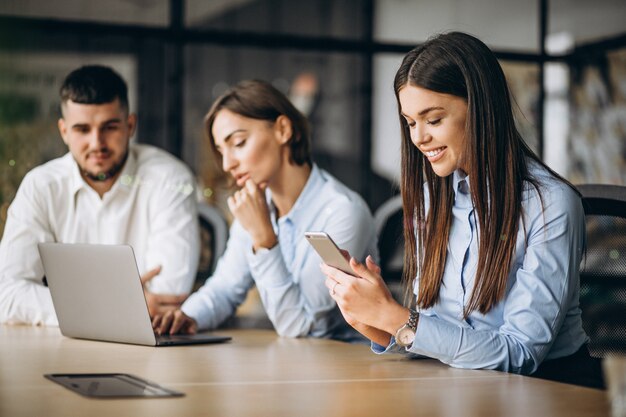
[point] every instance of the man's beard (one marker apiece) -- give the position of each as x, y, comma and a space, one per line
104, 176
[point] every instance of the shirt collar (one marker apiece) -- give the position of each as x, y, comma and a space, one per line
461, 183
298, 211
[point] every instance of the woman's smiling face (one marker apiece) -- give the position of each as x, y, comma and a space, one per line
437, 125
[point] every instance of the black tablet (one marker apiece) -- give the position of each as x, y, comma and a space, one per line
112, 385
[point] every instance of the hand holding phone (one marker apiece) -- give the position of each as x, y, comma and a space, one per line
328, 251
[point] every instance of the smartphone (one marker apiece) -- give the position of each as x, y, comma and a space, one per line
328, 251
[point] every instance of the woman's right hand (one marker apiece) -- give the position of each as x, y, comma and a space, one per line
249, 207
172, 322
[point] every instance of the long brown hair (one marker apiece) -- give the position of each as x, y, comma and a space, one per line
496, 159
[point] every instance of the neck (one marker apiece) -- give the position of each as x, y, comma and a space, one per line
289, 186
101, 187
104, 181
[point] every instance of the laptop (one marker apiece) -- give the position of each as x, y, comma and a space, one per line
97, 294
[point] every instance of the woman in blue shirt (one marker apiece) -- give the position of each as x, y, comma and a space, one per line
494, 238
263, 143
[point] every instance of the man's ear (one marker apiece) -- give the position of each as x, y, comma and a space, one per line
63, 129
283, 129
132, 124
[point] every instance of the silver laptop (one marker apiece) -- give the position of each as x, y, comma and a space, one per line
97, 294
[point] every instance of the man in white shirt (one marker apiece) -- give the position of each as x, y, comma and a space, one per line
104, 190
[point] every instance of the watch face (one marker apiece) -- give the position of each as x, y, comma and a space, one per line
405, 336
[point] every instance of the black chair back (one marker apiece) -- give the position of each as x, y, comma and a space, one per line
603, 268
213, 238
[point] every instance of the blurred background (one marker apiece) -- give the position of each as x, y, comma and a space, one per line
565, 61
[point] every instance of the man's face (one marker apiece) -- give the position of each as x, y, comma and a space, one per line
97, 134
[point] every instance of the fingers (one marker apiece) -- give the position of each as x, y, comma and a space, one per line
163, 323
156, 321
251, 187
250, 192
172, 322
146, 277
331, 284
371, 265
364, 272
232, 206
192, 326
235, 201
181, 322
369, 271
335, 274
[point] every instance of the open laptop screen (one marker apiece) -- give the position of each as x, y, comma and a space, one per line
97, 294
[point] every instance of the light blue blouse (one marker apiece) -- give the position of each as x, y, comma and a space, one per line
288, 276
539, 318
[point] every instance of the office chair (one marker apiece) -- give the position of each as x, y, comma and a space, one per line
603, 268
213, 238
388, 219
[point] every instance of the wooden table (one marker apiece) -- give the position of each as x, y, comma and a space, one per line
261, 374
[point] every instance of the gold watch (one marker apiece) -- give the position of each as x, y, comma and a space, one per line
406, 334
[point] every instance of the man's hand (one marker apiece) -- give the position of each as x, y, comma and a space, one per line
172, 322
160, 303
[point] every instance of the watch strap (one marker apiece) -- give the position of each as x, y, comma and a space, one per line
413, 316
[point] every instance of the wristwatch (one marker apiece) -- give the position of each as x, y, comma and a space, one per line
406, 334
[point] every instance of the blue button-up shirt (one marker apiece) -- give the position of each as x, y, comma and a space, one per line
288, 276
539, 317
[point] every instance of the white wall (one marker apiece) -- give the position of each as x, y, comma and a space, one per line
508, 24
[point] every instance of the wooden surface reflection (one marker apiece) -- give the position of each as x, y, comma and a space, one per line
260, 374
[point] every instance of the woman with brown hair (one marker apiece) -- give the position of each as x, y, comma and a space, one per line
263, 143
494, 237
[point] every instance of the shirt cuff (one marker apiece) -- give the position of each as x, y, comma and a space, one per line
392, 347
268, 267
196, 308
433, 335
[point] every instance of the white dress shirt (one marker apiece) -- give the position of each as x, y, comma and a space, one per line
288, 276
151, 207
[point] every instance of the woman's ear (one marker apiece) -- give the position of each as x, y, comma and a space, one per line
283, 129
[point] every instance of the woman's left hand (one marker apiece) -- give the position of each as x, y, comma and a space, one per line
364, 298
249, 207
372, 333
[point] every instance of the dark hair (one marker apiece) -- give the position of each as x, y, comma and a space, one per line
258, 99
94, 84
495, 156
